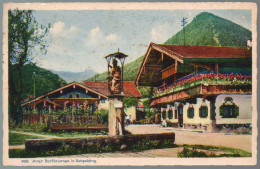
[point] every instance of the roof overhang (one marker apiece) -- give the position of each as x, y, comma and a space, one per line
64, 87
202, 56
154, 68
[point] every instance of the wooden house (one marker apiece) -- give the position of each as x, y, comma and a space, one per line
201, 87
91, 94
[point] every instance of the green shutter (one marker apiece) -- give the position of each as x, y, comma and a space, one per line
236, 111
221, 110
200, 112
207, 111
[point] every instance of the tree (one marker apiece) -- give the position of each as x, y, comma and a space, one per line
130, 101
25, 39
147, 103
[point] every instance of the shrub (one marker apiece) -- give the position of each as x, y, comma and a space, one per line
186, 152
102, 115
130, 102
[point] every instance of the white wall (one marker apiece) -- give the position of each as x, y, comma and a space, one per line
129, 111
245, 109
103, 105
196, 119
132, 112
243, 101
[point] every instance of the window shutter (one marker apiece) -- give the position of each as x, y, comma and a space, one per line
206, 111
221, 110
200, 112
236, 111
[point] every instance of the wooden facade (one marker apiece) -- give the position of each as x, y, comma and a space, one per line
90, 95
186, 74
71, 95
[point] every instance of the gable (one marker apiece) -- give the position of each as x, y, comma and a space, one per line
72, 88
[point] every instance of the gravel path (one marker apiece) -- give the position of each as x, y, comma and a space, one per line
166, 152
183, 136
35, 134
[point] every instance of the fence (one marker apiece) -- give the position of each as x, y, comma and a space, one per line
66, 120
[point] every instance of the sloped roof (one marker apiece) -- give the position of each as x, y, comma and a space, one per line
66, 86
100, 86
46, 100
203, 56
206, 51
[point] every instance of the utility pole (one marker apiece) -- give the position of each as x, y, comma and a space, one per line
184, 22
34, 85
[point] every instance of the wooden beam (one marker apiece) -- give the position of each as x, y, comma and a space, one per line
154, 65
202, 65
153, 68
145, 59
167, 52
162, 56
176, 65
216, 68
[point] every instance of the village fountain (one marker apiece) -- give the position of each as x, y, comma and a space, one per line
115, 88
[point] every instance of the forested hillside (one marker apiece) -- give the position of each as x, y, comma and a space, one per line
207, 29
45, 80
130, 71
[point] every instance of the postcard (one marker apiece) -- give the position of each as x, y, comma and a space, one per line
140, 84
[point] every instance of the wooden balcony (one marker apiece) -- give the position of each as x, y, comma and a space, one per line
169, 71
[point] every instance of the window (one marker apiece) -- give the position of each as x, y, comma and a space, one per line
70, 95
77, 95
190, 111
170, 114
203, 111
180, 108
102, 100
164, 114
228, 109
175, 113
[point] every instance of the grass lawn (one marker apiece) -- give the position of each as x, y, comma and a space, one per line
211, 151
199, 151
66, 133
18, 139
75, 133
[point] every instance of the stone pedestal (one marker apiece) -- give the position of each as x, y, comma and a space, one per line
116, 115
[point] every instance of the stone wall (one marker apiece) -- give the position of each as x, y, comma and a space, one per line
52, 144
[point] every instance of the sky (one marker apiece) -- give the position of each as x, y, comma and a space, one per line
78, 40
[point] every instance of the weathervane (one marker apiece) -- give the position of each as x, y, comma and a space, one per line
184, 22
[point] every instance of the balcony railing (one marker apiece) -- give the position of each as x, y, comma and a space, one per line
207, 79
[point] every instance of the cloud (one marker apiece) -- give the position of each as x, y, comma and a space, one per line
97, 37
112, 37
60, 30
95, 32
57, 28
160, 33
64, 39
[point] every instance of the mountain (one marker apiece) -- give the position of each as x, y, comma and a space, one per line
75, 76
45, 80
206, 29
130, 70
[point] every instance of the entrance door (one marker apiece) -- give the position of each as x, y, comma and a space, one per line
180, 115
